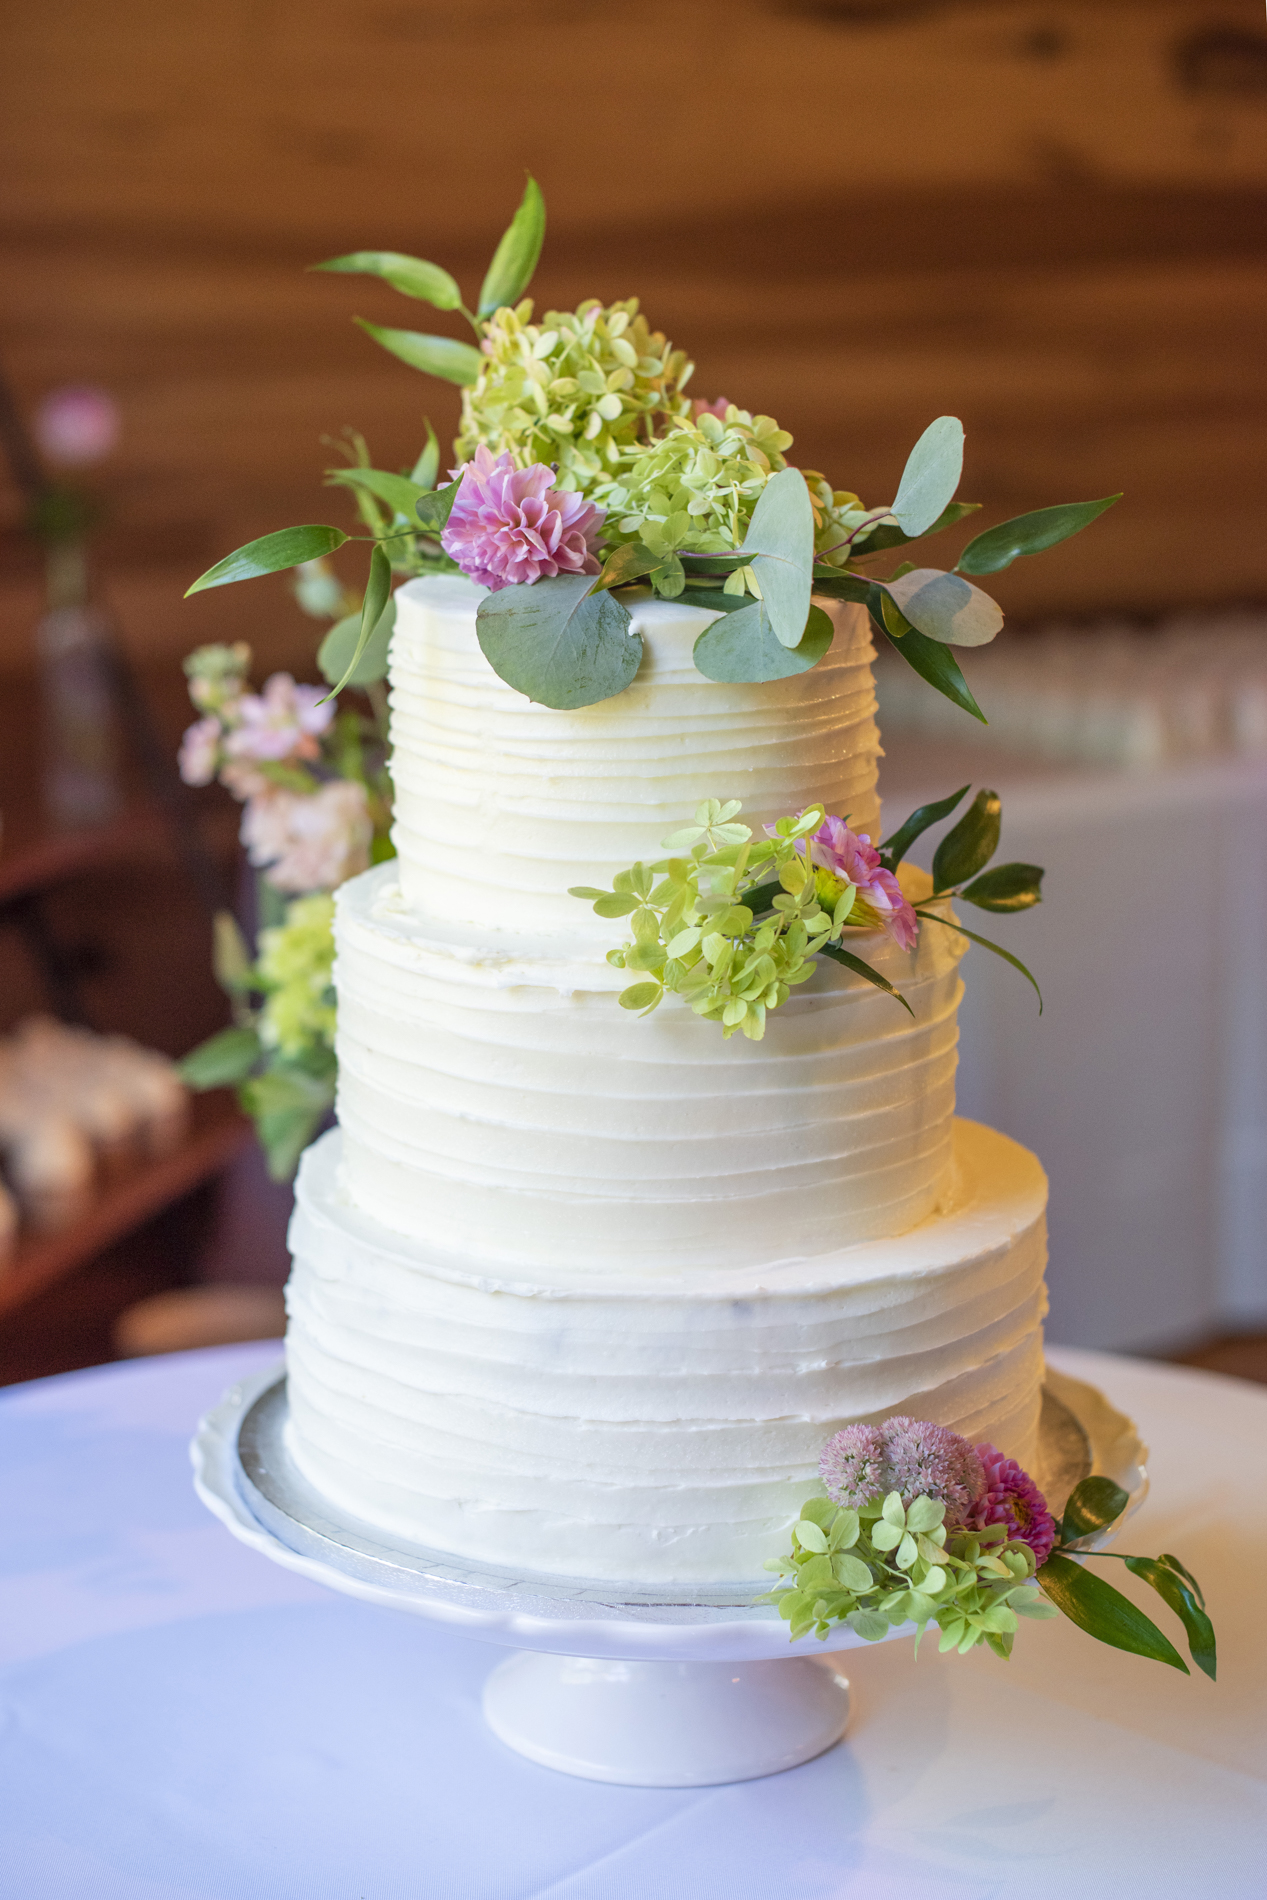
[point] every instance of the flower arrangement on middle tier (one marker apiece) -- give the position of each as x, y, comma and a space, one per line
734, 923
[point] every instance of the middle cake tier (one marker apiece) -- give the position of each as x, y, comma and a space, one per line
501, 1104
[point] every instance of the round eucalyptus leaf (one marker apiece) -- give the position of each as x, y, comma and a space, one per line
558, 643
945, 607
742, 646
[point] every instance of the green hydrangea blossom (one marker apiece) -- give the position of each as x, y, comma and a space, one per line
576, 389
296, 962
695, 488
890, 1564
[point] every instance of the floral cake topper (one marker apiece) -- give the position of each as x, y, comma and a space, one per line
587, 478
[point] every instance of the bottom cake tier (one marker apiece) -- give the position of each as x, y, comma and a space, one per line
655, 1426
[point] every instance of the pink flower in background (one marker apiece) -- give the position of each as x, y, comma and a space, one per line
77, 425
718, 408
200, 751
853, 859
282, 722
510, 526
309, 841
1009, 1496
927, 1460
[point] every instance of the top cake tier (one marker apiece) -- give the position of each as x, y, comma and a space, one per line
497, 794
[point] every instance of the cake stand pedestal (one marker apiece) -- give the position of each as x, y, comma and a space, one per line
671, 1686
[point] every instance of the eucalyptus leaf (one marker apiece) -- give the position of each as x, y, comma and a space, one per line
287, 1106
938, 665
225, 1058
1093, 1505
230, 957
1103, 1612
945, 606
1174, 1591
780, 540
442, 356
1045, 528
1008, 887
271, 554
969, 847
433, 510
714, 601
931, 476
426, 469
412, 276
515, 258
894, 849
377, 594
398, 491
930, 916
859, 968
559, 643
335, 654
743, 646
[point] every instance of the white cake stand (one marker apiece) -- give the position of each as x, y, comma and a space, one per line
664, 1687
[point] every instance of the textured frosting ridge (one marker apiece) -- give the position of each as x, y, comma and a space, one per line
501, 1102
493, 791
654, 1425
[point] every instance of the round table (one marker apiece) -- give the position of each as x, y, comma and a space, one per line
181, 1720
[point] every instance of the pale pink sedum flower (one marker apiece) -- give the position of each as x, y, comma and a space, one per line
510, 526
1009, 1496
200, 751
927, 1460
309, 841
282, 722
77, 425
852, 858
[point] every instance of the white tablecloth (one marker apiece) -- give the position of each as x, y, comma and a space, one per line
181, 1720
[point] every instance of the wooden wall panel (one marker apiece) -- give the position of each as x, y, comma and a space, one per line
1047, 218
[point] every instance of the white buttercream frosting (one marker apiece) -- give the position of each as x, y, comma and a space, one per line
497, 795
659, 1422
584, 1292
501, 1101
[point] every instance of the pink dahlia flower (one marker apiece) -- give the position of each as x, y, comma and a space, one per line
1010, 1496
510, 526
282, 722
851, 858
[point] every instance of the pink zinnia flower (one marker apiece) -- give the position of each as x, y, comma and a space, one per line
200, 751
510, 526
309, 841
1010, 1496
852, 858
282, 722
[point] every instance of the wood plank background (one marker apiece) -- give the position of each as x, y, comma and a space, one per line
855, 214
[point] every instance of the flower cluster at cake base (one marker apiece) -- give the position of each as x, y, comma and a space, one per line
919, 1527
733, 923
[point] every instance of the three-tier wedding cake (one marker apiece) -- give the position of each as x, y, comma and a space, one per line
581, 1293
